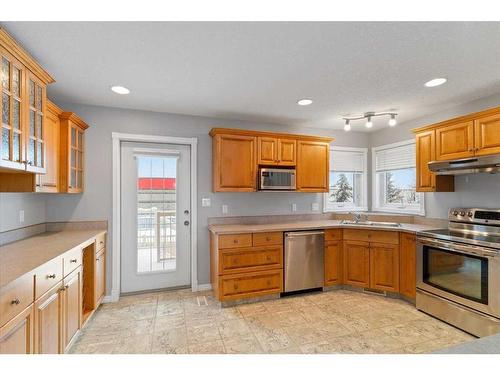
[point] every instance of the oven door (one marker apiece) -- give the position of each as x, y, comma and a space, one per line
466, 274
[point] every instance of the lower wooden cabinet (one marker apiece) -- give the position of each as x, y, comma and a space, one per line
71, 306
384, 267
250, 285
16, 337
357, 263
48, 319
333, 263
407, 265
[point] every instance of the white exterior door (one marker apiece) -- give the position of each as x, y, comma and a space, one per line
155, 216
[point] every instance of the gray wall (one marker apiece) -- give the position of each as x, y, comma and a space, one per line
10, 205
95, 203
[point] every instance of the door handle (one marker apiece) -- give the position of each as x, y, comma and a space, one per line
186, 222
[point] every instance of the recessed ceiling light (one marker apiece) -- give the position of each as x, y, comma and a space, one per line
305, 102
120, 90
435, 82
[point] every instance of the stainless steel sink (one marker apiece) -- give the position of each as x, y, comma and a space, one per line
372, 223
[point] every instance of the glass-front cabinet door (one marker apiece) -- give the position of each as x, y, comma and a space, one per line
11, 113
76, 159
35, 155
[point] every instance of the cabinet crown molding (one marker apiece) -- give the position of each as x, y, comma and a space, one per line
9, 43
73, 117
464, 118
256, 133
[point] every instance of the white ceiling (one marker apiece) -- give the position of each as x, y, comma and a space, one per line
257, 71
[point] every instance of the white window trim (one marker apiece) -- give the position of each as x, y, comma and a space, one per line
375, 206
364, 207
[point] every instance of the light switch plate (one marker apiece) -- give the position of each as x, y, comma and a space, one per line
315, 206
294, 207
206, 202
224, 208
21, 216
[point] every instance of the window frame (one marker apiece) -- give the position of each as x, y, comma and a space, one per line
334, 207
376, 206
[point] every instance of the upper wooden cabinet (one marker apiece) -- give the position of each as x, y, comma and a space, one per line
237, 154
455, 141
71, 155
426, 152
22, 110
313, 161
276, 151
234, 162
487, 135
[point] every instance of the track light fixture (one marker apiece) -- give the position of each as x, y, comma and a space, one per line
368, 116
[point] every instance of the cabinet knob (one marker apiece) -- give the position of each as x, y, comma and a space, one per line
268, 257
53, 276
235, 241
268, 282
73, 260
235, 286
15, 301
268, 239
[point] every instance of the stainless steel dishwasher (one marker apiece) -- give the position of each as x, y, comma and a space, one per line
304, 260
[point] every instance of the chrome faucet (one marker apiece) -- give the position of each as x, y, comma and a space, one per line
357, 216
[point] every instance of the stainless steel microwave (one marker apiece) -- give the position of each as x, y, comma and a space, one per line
276, 179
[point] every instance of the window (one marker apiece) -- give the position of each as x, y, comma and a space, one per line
394, 179
348, 178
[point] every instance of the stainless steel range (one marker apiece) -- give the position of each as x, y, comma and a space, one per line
458, 271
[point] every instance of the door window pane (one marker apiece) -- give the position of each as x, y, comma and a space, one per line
5, 144
460, 274
5, 73
5, 108
156, 213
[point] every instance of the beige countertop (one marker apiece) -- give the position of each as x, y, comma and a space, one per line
310, 224
20, 257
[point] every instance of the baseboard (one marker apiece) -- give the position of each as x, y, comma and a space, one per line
204, 287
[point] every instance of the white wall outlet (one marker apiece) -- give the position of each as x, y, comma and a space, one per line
315, 206
205, 202
21, 216
294, 207
224, 209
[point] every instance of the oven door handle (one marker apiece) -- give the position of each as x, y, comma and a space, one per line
459, 248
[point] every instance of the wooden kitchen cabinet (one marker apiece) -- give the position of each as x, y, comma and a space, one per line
48, 322
22, 109
426, 151
276, 151
356, 256
313, 160
455, 141
333, 263
72, 307
71, 156
237, 155
16, 337
384, 267
234, 162
407, 269
487, 135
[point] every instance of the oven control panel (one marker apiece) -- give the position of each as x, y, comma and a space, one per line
474, 215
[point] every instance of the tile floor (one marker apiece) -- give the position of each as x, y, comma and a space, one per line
339, 321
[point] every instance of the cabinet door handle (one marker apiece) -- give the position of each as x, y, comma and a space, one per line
73, 260
53, 276
15, 301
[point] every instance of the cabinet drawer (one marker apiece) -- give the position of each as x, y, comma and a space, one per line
48, 275
333, 234
100, 242
270, 238
15, 297
250, 259
72, 260
227, 241
250, 285
381, 236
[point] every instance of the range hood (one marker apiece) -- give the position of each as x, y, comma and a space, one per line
480, 164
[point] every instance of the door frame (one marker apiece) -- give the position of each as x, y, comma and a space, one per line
117, 139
